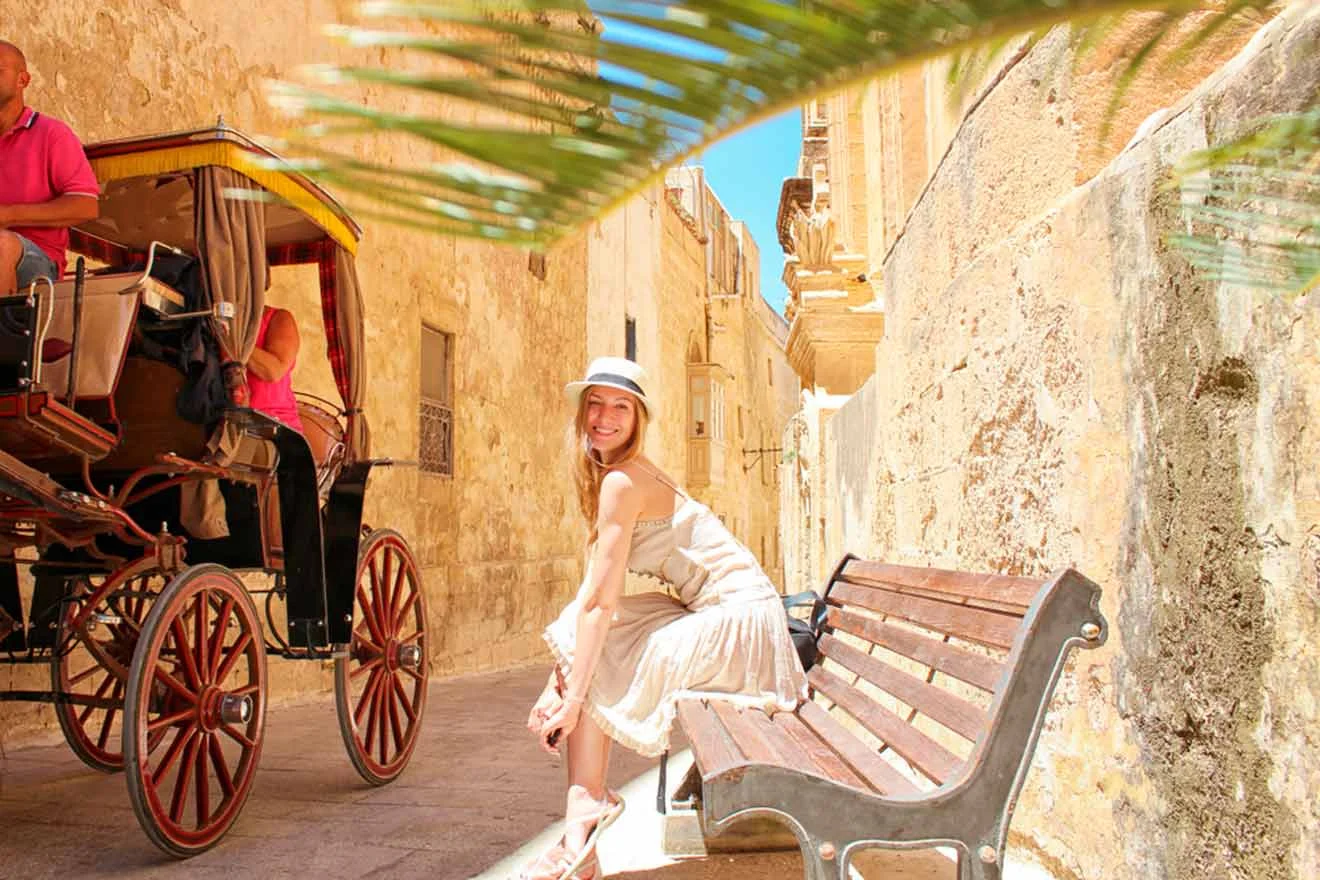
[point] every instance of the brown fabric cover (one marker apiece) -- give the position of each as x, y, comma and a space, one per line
231, 240
348, 324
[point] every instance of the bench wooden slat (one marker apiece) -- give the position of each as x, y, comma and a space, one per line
949, 595
877, 772
714, 750
1006, 589
820, 755
751, 740
928, 756
803, 751
975, 669
973, 624
955, 713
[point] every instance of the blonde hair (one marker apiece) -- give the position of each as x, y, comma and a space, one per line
588, 469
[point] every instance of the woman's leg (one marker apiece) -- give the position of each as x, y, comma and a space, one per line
588, 757
588, 763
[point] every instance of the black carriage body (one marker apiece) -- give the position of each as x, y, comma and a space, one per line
18, 338
320, 547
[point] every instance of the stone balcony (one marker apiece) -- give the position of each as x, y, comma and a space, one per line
836, 323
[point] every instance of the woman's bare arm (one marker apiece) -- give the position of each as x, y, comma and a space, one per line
274, 360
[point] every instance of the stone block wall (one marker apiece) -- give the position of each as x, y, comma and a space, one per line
1055, 388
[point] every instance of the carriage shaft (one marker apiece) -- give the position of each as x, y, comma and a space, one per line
58, 697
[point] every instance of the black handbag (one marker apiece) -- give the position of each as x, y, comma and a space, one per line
804, 631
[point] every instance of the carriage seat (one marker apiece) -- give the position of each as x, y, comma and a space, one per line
110, 307
38, 421
325, 435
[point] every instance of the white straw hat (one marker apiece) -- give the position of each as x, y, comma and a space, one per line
613, 372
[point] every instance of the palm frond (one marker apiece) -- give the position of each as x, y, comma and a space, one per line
566, 118
1252, 207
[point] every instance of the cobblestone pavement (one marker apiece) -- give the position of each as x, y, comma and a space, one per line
478, 799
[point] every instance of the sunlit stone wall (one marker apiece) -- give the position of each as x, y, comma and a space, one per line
1056, 387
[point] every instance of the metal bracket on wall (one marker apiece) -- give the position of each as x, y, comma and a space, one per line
757, 453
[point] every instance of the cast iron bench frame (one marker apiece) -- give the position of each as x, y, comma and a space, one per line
1005, 637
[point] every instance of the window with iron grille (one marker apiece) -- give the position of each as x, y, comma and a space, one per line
630, 338
436, 443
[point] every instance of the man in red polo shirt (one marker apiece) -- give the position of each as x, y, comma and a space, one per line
46, 185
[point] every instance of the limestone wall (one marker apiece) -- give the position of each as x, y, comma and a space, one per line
850, 438
1057, 388
1059, 125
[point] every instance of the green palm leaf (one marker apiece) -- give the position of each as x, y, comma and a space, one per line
1252, 207
585, 116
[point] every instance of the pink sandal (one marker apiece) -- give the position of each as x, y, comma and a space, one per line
558, 864
554, 864
586, 857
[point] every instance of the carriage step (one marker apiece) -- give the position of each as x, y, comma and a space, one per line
339, 652
35, 425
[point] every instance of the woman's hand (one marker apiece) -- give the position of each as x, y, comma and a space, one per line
545, 705
563, 719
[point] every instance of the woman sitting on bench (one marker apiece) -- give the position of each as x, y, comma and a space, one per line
270, 367
718, 632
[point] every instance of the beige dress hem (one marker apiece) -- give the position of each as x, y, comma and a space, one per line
668, 708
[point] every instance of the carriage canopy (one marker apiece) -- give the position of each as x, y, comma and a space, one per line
233, 202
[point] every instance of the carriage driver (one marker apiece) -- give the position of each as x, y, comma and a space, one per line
46, 184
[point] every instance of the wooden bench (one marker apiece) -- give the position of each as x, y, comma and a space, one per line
927, 702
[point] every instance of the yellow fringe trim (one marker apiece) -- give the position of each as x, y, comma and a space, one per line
233, 156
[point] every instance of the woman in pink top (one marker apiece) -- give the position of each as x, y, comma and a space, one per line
270, 367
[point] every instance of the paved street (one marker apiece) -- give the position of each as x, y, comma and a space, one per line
477, 800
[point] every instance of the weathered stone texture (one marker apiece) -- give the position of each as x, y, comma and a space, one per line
1056, 388
748, 336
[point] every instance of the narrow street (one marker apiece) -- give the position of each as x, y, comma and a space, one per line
477, 800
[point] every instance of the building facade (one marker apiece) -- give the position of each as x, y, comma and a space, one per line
674, 284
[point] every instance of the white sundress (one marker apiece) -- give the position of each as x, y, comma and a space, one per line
720, 633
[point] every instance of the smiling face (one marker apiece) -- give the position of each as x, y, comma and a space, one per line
610, 417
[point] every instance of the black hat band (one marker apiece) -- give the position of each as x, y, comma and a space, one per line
616, 379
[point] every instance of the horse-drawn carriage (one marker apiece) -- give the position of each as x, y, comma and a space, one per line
136, 487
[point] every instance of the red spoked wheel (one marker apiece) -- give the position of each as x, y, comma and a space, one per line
93, 660
195, 710
380, 687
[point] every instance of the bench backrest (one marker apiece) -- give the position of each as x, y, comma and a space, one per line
930, 665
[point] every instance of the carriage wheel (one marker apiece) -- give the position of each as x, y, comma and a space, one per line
195, 710
94, 661
380, 687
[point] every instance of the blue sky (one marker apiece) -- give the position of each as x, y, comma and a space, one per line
746, 171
